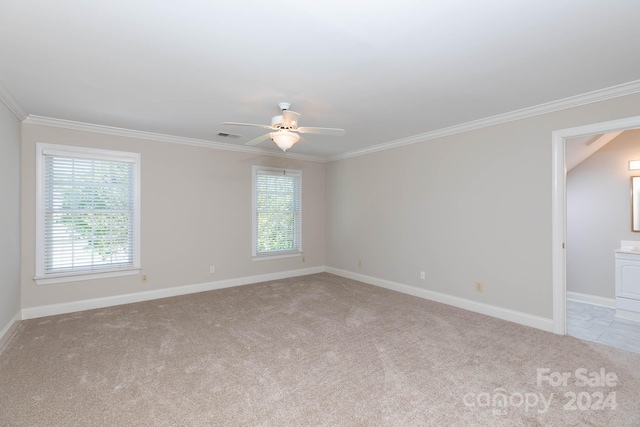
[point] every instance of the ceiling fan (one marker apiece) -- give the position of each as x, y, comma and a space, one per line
284, 129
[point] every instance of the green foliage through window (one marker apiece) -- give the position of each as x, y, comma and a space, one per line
277, 212
88, 213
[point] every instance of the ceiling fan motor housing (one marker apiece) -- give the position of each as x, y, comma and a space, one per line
276, 122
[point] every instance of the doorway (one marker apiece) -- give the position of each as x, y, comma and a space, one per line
559, 203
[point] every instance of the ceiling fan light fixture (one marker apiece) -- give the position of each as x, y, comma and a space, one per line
284, 139
284, 129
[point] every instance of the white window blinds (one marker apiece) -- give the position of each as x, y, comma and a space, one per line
88, 207
277, 213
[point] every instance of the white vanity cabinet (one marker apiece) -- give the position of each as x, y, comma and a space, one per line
628, 284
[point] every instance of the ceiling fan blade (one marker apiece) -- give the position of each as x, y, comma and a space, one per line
322, 131
290, 119
247, 124
259, 139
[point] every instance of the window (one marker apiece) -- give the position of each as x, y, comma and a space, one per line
87, 213
277, 212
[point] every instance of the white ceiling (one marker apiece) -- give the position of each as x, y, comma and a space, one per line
578, 149
382, 70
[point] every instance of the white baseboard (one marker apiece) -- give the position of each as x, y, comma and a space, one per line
591, 299
8, 330
90, 304
478, 307
627, 315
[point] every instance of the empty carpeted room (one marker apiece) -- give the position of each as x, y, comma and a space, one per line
332, 214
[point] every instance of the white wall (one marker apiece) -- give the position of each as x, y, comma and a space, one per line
599, 215
470, 207
196, 212
9, 219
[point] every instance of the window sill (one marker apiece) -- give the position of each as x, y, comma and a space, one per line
276, 256
50, 279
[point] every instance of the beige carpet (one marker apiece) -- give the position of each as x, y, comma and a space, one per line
316, 350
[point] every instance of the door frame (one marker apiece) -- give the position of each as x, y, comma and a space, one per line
559, 209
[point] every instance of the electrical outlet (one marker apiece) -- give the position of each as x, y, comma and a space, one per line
422, 275
212, 269
359, 263
479, 287
144, 278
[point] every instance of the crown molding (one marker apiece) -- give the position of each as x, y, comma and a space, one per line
130, 133
537, 110
10, 101
549, 107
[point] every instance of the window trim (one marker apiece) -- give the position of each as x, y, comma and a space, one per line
42, 278
254, 229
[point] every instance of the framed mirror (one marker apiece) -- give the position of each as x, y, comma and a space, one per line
635, 203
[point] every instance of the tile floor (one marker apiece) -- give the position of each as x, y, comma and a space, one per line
599, 324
